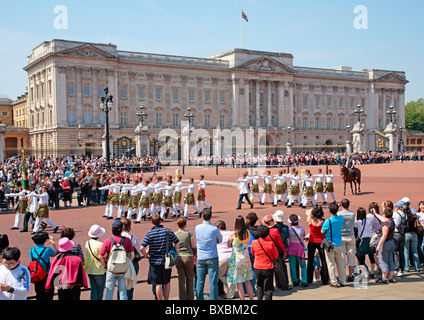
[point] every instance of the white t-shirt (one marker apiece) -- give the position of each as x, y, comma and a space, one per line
224, 251
368, 225
19, 279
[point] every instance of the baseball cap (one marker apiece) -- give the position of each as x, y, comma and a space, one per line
117, 225
399, 204
405, 200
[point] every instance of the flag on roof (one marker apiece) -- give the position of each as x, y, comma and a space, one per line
243, 15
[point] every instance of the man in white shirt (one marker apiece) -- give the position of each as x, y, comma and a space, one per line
267, 187
280, 187
399, 219
189, 199
202, 192
254, 188
20, 208
43, 210
319, 186
244, 190
176, 199
328, 186
15, 278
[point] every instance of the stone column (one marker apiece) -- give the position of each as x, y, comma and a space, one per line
269, 103
291, 105
78, 91
281, 119
401, 108
2, 131
235, 101
95, 95
258, 104
246, 108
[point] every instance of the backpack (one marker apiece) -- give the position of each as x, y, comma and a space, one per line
35, 269
403, 223
117, 262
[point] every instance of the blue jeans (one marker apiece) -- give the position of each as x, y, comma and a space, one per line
93, 196
111, 279
208, 267
411, 245
97, 286
130, 293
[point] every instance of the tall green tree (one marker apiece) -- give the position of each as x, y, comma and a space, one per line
414, 116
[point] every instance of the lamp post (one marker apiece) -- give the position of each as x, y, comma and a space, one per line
400, 139
359, 111
188, 144
391, 113
142, 115
348, 141
189, 115
106, 104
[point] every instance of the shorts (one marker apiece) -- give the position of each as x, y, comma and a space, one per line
158, 275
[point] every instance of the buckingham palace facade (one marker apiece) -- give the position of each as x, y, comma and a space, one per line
238, 88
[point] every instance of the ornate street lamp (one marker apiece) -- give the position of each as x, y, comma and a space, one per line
289, 129
391, 113
189, 115
106, 104
142, 115
348, 132
359, 112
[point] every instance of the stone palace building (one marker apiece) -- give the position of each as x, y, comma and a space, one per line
238, 88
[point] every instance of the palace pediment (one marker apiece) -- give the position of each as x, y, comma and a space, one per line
87, 50
266, 64
391, 77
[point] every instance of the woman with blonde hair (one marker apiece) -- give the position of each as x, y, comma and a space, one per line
185, 261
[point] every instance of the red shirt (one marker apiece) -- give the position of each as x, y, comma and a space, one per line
315, 234
275, 234
262, 261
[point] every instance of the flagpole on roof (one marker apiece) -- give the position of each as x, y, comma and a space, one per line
241, 28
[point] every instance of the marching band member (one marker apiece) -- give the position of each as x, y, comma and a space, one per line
294, 189
158, 196
21, 207
329, 188
134, 199
176, 199
280, 187
319, 186
244, 190
167, 200
112, 200
308, 190
202, 192
254, 189
144, 202
267, 187
43, 210
189, 199
123, 198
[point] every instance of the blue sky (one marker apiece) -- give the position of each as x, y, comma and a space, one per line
318, 33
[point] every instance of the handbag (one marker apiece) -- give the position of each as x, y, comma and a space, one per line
171, 254
276, 262
326, 244
364, 243
303, 243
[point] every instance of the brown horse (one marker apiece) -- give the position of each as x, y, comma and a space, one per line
353, 175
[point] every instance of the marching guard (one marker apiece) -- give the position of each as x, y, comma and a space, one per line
280, 187
319, 186
267, 187
189, 199
329, 187
20, 208
244, 190
294, 189
176, 197
254, 188
202, 192
43, 210
308, 189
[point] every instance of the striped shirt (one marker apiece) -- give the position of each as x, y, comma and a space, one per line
155, 240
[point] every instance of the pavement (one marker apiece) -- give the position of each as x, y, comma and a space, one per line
380, 182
